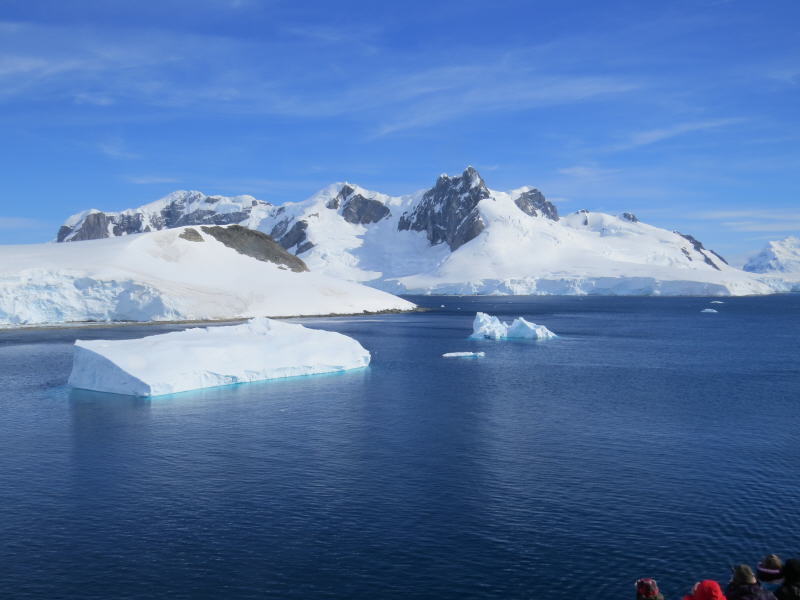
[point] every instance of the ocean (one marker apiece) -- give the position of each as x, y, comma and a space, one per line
648, 440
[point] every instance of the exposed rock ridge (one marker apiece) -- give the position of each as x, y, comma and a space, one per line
256, 244
176, 210
449, 211
698, 246
358, 209
534, 203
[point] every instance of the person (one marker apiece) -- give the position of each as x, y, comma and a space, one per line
708, 589
769, 572
744, 586
647, 589
790, 590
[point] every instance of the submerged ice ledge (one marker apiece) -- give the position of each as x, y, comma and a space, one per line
213, 356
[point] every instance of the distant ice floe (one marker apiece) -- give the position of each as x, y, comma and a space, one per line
209, 357
488, 327
716, 302
708, 310
464, 355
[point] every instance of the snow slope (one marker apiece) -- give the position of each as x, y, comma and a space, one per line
778, 264
162, 276
514, 253
460, 237
209, 357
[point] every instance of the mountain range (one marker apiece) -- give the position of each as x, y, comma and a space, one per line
458, 237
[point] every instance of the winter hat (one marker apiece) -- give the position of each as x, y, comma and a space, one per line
646, 588
791, 571
742, 574
769, 569
706, 590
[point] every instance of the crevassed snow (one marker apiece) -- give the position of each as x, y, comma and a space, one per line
208, 357
488, 327
463, 354
160, 276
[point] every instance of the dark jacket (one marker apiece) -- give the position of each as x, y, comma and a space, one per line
788, 592
747, 591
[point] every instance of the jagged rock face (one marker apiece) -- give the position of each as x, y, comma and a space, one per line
630, 217
356, 208
295, 236
449, 211
698, 246
255, 244
533, 203
186, 208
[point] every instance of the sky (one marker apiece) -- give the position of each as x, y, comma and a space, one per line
685, 113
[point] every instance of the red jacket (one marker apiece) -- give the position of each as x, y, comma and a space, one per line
706, 590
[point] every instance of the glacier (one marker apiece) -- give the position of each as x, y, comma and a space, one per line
488, 327
172, 274
213, 356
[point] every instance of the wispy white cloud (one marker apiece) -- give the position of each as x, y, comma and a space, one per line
149, 179
19, 223
587, 172
766, 219
652, 136
115, 148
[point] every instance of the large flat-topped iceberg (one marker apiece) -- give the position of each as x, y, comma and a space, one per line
213, 356
488, 327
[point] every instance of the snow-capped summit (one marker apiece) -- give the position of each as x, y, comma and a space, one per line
174, 210
777, 257
461, 237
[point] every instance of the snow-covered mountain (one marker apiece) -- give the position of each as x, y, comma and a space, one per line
175, 210
187, 273
460, 237
778, 263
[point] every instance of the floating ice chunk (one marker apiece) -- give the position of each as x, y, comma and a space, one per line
464, 355
489, 327
209, 357
716, 302
708, 310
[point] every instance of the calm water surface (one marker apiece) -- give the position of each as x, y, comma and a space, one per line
648, 440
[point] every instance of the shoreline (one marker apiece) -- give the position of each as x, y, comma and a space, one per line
233, 320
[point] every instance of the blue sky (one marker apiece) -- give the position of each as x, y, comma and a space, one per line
686, 113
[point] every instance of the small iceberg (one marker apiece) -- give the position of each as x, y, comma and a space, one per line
464, 355
488, 327
708, 310
211, 356
716, 302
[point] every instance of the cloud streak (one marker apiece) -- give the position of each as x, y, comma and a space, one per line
652, 136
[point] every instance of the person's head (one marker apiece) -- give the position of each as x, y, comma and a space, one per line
742, 575
769, 569
791, 571
647, 589
706, 590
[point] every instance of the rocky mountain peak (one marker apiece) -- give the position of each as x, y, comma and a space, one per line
448, 212
177, 209
357, 208
532, 202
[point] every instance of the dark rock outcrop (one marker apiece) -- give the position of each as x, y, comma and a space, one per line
629, 217
698, 247
533, 203
184, 208
295, 236
357, 209
191, 235
449, 211
256, 244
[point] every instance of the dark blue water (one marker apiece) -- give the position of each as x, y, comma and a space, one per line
649, 440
